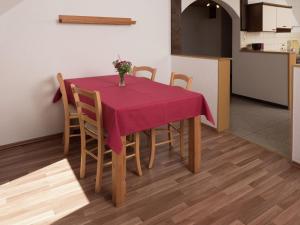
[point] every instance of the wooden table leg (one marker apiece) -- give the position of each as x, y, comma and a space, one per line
119, 176
195, 144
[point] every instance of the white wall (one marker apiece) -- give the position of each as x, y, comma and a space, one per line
272, 41
296, 116
6, 5
34, 47
205, 79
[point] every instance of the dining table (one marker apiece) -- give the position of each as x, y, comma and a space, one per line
142, 105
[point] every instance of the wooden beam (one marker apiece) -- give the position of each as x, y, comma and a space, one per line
292, 62
95, 20
224, 95
176, 26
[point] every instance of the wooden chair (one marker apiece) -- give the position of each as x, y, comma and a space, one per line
152, 71
188, 85
71, 116
188, 80
93, 128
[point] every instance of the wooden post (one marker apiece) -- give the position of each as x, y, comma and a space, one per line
119, 176
176, 26
223, 94
195, 144
292, 62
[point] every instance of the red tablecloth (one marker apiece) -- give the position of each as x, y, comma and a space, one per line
141, 105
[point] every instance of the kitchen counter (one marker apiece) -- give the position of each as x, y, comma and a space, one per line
201, 56
265, 51
266, 77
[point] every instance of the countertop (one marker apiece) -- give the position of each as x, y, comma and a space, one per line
266, 51
201, 56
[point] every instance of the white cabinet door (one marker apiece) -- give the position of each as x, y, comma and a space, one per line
284, 18
269, 18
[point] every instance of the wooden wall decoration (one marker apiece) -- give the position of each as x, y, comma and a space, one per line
95, 20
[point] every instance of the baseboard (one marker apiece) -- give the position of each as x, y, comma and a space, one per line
53, 136
296, 164
210, 128
260, 101
30, 141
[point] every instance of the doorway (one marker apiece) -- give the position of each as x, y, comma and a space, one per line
259, 101
206, 30
260, 122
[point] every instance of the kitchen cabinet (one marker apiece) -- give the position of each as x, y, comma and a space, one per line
269, 17
284, 18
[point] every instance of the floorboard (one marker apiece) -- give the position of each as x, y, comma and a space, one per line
240, 184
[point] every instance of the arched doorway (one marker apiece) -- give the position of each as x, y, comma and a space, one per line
178, 10
177, 30
230, 9
206, 30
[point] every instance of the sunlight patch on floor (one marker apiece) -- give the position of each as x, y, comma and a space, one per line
55, 184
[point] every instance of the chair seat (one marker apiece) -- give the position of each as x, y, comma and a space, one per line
91, 128
72, 110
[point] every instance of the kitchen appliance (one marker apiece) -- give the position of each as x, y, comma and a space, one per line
257, 46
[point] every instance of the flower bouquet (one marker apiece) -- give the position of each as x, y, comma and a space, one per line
122, 67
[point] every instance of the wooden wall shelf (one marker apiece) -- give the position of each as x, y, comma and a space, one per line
95, 20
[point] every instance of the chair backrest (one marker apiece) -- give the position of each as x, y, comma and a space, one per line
89, 109
62, 88
151, 70
182, 77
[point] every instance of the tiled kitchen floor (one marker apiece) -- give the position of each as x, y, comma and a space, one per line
263, 124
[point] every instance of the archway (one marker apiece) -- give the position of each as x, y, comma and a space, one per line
236, 28
228, 4
206, 30
235, 24
235, 37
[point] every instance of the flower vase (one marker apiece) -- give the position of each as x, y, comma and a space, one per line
122, 80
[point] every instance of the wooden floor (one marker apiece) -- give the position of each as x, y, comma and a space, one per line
240, 183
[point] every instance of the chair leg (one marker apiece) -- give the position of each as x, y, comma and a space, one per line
99, 173
170, 135
83, 156
181, 140
137, 154
153, 148
67, 137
